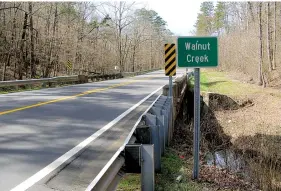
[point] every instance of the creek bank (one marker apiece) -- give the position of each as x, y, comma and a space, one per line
258, 167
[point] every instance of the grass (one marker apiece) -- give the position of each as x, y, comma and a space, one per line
172, 167
218, 82
130, 182
12, 90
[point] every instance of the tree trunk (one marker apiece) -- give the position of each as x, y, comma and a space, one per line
269, 38
50, 63
22, 53
120, 37
5, 66
80, 37
274, 39
48, 44
8, 57
120, 49
250, 5
32, 54
56, 39
260, 72
14, 45
133, 57
247, 17
126, 52
150, 52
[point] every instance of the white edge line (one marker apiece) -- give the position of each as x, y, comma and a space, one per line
109, 163
71, 153
113, 158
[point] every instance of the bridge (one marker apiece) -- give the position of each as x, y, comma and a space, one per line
65, 138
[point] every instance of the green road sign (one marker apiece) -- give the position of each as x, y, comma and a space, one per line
197, 52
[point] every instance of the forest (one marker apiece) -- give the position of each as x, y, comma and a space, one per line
249, 37
69, 38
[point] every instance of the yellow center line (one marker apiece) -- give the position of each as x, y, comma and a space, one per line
71, 97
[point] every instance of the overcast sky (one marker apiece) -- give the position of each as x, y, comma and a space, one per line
180, 15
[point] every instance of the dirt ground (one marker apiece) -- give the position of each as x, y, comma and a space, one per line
261, 119
263, 116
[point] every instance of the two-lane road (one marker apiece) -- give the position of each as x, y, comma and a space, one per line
38, 127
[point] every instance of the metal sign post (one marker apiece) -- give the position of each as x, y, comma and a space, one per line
196, 135
170, 86
197, 52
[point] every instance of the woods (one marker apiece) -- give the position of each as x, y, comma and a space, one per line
39, 39
248, 37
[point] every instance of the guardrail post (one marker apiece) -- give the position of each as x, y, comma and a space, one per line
169, 109
155, 135
147, 168
160, 120
165, 113
44, 85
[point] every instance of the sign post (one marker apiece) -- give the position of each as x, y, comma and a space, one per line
196, 135
197, 52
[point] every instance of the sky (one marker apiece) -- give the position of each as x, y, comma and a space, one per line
180, 15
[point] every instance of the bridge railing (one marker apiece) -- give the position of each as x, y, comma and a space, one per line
68, 79
155, 130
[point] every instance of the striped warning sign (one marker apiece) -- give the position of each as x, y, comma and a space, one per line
170, 60
69, 65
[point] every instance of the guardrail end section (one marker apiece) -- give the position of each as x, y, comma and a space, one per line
139, 158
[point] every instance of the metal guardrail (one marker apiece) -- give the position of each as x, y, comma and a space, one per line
159, 118
127, 74
73, 78
37, 81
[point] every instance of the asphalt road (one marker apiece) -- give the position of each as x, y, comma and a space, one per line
38, 127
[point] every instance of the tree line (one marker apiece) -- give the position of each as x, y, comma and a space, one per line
248, 37
63, 38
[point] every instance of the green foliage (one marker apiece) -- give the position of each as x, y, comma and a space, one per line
204, 23
219, 16
68, 9
207, 8
130, 182
152, 18
94, 24
172, 167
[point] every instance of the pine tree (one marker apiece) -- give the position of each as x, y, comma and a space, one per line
204, 24
219, 17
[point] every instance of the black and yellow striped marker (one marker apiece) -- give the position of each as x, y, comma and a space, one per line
69, 65
170, 60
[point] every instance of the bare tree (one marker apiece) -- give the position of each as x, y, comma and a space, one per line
260, 71
274, 39
121, 19
32, 42
38, 39
22, 60
269, 52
